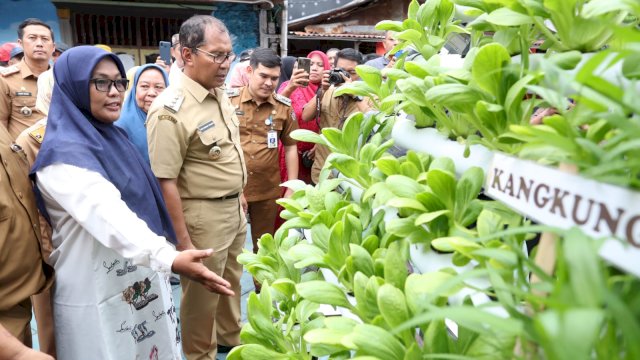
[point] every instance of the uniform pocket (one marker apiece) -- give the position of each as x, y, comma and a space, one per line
278, 124
20, 101
207, 137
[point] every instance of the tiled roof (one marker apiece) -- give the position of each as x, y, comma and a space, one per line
363, 37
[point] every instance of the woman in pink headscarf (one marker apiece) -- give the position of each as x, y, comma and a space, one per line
300, 96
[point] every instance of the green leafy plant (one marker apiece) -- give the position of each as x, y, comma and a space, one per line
355, 251
563, 24
599, 135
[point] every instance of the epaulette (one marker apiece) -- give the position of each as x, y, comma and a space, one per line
283, 99
174, 103
9, 70
37, 134
233, 92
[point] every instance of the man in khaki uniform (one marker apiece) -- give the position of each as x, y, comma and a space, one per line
18, 83
335, 110
264, 118
22, 269
194, 149
30, 140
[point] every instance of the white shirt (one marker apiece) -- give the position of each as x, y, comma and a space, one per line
95, 205
174, 73
112, 299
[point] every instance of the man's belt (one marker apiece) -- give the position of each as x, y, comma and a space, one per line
226, 197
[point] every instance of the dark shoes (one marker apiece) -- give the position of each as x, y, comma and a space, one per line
257, 286
223, 349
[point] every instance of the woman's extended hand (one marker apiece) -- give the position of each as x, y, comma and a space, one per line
189, 263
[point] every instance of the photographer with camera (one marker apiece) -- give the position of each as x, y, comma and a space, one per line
330, 111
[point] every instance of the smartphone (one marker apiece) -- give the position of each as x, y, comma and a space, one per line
304, 63
165, 52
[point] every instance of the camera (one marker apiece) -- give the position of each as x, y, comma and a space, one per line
335, 76
307, 161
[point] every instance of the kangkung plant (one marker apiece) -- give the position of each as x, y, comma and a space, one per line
585, 309
599, 134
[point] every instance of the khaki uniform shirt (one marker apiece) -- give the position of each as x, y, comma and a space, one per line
22, 271
30, 141
193, 136
18, 88
255, 122
333, 112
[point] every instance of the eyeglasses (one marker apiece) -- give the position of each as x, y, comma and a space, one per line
104, 85
219, 58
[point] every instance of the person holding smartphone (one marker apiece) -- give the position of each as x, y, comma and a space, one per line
330, 111
300, 96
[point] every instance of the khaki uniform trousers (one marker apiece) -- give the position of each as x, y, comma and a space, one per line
17, 321
206, 317
42, 305
43, 311
262, 215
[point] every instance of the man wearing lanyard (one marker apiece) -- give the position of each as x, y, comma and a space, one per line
18, 83
265, 117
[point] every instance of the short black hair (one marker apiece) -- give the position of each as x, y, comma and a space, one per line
349, 54
151, 58
266, 57
369, 57
193, 30
245, 54
33, 21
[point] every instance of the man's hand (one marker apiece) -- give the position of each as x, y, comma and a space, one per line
347, 79
325, 80
288, 193
311, 153
189, 263
30, 354
12, 348
540, 114
392, 62
244, 204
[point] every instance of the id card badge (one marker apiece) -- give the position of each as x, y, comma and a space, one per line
272, 139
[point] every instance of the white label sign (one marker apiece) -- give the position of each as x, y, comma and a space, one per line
552, 197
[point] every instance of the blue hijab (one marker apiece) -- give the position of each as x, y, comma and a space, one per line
133, 117
76, 138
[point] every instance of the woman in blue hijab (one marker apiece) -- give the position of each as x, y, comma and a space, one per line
111, 229
148, 82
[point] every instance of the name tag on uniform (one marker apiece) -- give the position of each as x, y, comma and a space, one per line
239, 112
272, 139
23, 93
206, 126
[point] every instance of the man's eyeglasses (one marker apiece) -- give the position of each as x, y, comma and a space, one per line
219, 58
104, 85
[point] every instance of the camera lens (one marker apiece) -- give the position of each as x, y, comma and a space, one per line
335, 78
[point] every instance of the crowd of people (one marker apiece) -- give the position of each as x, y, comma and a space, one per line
112, 179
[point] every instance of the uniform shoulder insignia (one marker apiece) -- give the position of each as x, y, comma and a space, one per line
37, 134
174, 103
232, 92
167, 117
9, 70
283, 99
